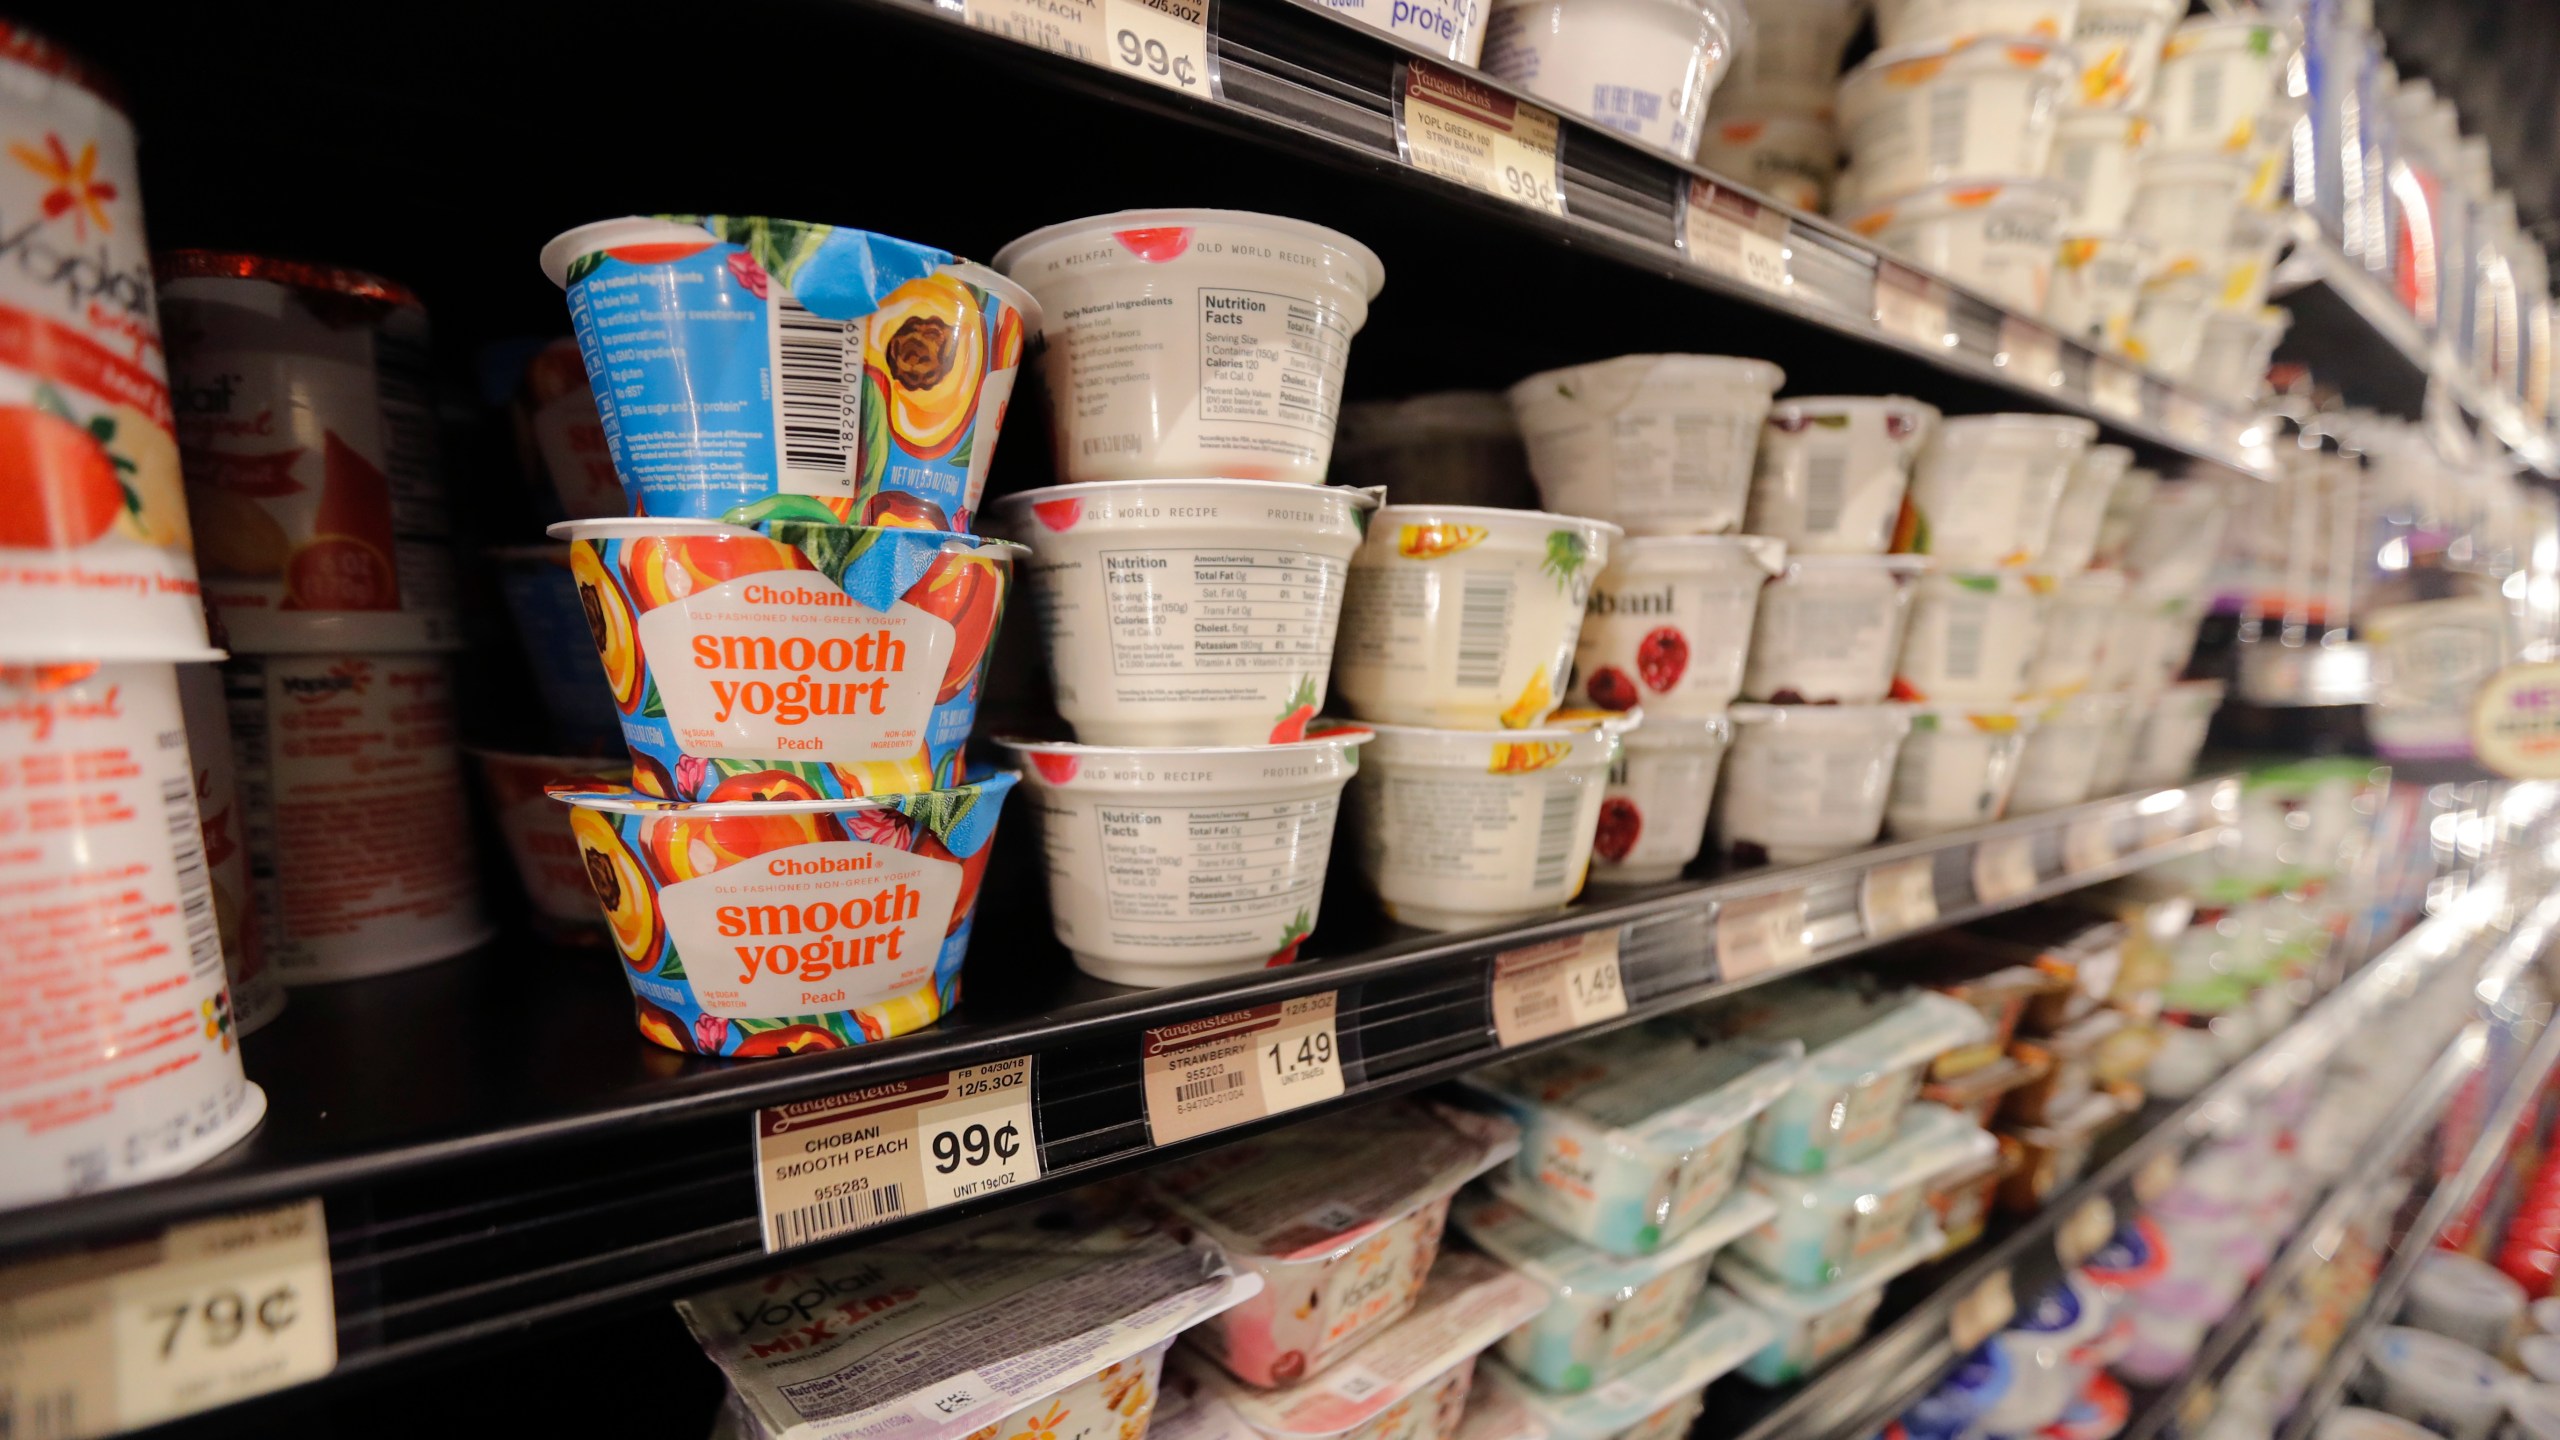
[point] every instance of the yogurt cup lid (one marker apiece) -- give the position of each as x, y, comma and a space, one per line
1501, 1228
1372, 271
625, 801
836, 271
1991, 719
2075, 425
1826, 718
1673, 732
1794, 1307
1748, 368
177, 265
1335, 737
1769, 552
1362, 497
1851, 402
1721, 1334
1564, 725
1896, 564
1937, 201
2022, 51
1543, 519
41, 53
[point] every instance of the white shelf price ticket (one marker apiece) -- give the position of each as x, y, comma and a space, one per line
1163, 42
1221, 1070
1558, 985
209, 1312
2029, 353
1899, 896
1464, 130
847, 1162
2089, 844
1735, 236
1760, 933
2004, 868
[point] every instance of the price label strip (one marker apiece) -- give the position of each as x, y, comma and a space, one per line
2116, 388
2089, 844
1912, 305
1735, 236
210, 1312
2004, 868
1463, 130
1205, 1075
1979, 1313
1548, 989
848, 1162
2031, 353
1899, 897
1759, 934
1163, 42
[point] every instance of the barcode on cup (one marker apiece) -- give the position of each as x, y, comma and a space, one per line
1964, 646
1948, 125
195, 884
1556, 816
1217, 1084
816, 362
863, 1208
1484, 624
1826, 477
2204, 100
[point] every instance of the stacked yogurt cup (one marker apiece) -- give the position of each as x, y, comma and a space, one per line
1645, 69
793, 621
1773, 125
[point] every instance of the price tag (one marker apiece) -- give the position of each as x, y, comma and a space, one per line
1979, 1312
848, 1162
2186, 417
1463, 130
2156, 1176
1760, 934
1163, 42
1547, 989
1912, 305
2004, 868
210, 1312
2031, 353
1735, 236
2084, 1231
1204, 1075
1898, 897
2116, 388
2089, 844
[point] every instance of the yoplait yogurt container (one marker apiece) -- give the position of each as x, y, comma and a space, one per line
1833, 1226
1188, 612
1832, 468
736, 357
1657, 1400
1660, 444
1630, 1143
941, 1357
1179, 863
1669, 621
798, 660
1653, 816
775, 926
1342, 1226
1813, 1327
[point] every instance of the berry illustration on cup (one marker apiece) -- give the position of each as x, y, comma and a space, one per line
1662, 657
1611, 688
1621, 824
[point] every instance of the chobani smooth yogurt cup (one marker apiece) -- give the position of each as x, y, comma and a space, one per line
2116, 45
2079, 614
256, 994
1653, 819
1188, 612
1669, 621
1832, 468
1971, 637
746, 357
752, 928
1179, 863
2215, 79
2059, 765
2094, 158
1660, 444
1807, 782
1829, 629
125, 1065
549, 864
1642, 68
1462, 828
1984, 489
1465, 616
2097, 282
1956, 767
1789, 155
2082, 512
1996, 237
2173, 730
1924, 115
1195, 342
797, 661
1921, 22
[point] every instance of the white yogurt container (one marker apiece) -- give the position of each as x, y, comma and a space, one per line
1926, 114
2258, 237
2060, 764
1194, 342
2173, 732
1660, 444
1462, 828
1793, 46
1972, 635
2078, 616
2094, 155
1829, 630
1653, 819
1462, 616
1815, 1326
1187, 612
2115, 748
1832, 470
1922, 22
1173, 864
1955, 768
1643, 68
2116, 45
1985, 488
2073, 540
1807, 782
2184, 205
1451, 447
2097, 282
1668, 623
2170, 551
1995, 237
2443, 1384
1834, 1226
1789, 156
2168, 322
2235, 350
2148, 646
2216, 77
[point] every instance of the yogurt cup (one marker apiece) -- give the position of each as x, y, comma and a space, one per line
2078, 618
1815, 1326
1188, 612
2184, 205
2073, 541
1829, 630
2466, 1299
1984, 490
1924, 115
1807, 782
1466, 828
2235, 349
1832, 468
560, 435
1789, 156
754, 357
2059, 766
2258, 238
1669, 622
359, 836
1195, 342
2047, 1347
1641, 68
2055, 1153
2173, 732
2169, 552
799, 660
2442, 1384
1834, 1226
2116, 45
2148, 646
222, 817
1865, 1054
551, 626
548, 862
1466, 617
1175, 864
1997, 237
1955, 768
1657, 1400
1972, 635
1653, 815
2168, 322
2094, 157
2216, 77
1921, 22
1790, 48
831, 922
126, 1066
1660, 444
2097, 282
1452, 447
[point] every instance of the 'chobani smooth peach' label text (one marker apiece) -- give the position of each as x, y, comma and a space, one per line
786, 666
834, 925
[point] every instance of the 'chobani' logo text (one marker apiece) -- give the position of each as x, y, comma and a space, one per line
805, 695
828, 951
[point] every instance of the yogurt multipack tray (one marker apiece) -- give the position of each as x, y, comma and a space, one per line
1658, 1400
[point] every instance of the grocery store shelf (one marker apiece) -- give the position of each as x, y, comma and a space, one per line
495, 1147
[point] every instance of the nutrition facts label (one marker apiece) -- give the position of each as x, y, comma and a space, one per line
1235, 612
1264, 357
1224, 862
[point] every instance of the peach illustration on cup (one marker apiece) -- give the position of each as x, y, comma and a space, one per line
610, 625
926, 352
621, 887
